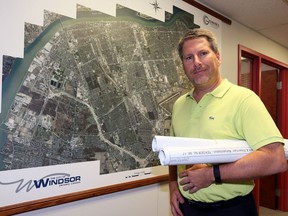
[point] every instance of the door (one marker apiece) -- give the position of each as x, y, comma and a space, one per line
268, 185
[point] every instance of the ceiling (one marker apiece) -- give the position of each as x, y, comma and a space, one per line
267, 17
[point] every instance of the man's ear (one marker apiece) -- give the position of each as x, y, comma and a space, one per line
218, 57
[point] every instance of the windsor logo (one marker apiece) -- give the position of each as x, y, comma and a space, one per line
57, 179
52, 180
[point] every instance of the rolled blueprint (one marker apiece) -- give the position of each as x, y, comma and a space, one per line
160, 142
184, 151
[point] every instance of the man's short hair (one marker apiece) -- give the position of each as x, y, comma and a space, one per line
198, 33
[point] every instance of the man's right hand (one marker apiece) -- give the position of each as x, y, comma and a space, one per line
175, 198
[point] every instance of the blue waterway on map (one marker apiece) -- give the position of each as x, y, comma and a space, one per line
13, 82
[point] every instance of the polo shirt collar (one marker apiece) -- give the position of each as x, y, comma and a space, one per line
219, 92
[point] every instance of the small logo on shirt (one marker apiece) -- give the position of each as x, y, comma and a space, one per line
211, 117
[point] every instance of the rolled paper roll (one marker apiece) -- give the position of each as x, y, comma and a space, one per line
183, 151
185, 156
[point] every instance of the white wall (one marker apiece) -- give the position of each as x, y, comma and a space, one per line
153, 200
235, 34
149, 200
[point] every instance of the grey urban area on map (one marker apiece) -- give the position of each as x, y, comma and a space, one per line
96, 90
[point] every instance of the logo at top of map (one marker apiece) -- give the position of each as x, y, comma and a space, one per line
207, 21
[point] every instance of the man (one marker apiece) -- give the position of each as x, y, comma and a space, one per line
218, 109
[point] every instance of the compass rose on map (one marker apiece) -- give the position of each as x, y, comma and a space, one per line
155, 6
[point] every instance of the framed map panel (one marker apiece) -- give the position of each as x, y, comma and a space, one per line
86, 91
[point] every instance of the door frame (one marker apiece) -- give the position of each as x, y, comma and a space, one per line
282, 119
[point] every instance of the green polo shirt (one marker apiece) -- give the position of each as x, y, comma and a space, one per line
228, 112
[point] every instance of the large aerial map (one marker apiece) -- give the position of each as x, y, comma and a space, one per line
93, 88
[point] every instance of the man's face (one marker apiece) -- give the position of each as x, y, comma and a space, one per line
200, 63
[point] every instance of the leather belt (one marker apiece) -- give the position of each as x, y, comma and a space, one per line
219, 204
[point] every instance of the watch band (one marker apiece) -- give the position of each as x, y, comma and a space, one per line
217, 175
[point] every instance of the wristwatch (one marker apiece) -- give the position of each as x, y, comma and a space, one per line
217, 174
